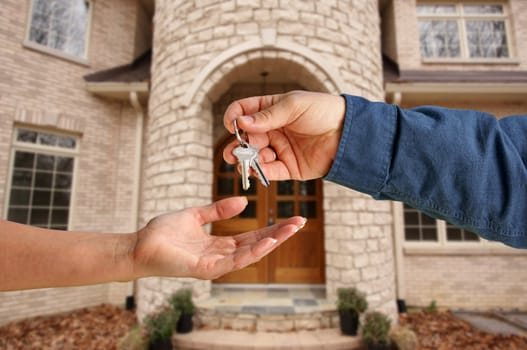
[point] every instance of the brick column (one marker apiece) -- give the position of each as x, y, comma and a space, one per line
201, 48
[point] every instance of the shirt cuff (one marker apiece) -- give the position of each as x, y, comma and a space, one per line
364, 155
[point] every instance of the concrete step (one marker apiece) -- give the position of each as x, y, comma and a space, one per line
266, 321
264, 309
220, 339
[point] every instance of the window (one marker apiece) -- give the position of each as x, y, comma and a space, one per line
41, 179
419, 227
60, 25
463, 31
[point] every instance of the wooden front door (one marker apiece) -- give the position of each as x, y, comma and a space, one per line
301, 258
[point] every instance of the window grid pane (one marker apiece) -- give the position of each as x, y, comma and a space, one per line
439, 38
483, 29
60, 25
456, 234
487, 39
41, 184
419, 226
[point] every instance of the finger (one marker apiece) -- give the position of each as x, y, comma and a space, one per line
246, 257
227, 152
258, 140
270, 231
245, 106
220, 210
267, 155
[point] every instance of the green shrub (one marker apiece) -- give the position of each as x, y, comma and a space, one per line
351, 299
160, 325
182, 301
376, 328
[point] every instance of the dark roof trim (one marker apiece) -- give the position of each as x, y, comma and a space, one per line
392, 74
137, 71
419, 76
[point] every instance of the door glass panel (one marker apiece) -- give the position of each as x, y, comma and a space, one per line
307, 188
251, 190
308, 209
285, 209
225, 186
249, 211
226, 167
286, 187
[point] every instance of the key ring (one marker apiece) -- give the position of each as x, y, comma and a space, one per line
238, 136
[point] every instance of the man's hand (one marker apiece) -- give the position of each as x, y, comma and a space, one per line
298, 132
176, 244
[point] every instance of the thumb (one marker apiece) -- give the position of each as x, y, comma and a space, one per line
220, 210
262, 113
271, 118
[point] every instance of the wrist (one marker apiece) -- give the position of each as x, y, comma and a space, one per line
124, 257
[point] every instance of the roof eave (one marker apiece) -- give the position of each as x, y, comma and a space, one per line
119, 91
488, 91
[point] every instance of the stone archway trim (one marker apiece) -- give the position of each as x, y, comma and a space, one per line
267, 40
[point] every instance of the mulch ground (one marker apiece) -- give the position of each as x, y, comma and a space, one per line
98, 327
444, 331
102, 326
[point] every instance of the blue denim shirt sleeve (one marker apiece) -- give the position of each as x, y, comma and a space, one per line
462, 166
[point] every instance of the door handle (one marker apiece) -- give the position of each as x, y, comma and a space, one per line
270, 221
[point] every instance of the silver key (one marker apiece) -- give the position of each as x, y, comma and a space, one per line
245, 154
248, 157
256, 167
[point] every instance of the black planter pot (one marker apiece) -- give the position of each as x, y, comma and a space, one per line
184, 324
349, 322
161, 344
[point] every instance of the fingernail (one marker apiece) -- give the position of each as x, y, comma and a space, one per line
274, 240
301, 225
247, 119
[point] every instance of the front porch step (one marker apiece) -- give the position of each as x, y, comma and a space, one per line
266, 322
220, 339
267, 310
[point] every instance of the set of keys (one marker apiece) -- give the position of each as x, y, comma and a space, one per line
248, 158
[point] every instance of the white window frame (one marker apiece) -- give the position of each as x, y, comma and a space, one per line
442, 245
460, 18
38, 148
55, 52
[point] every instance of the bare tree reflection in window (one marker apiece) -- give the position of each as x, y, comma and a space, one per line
60, 24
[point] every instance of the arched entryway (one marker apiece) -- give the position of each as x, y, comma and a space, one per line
299, 260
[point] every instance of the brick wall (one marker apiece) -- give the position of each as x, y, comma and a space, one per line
46, 91
470, 282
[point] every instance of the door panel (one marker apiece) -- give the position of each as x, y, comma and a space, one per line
301, 258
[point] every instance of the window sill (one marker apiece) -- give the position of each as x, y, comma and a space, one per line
463, 250
56, 53
467, 61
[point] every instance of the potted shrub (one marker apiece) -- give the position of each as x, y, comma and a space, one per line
159, 328
182, 302
350, 304
376, 331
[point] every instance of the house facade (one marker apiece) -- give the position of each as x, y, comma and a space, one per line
111, 114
